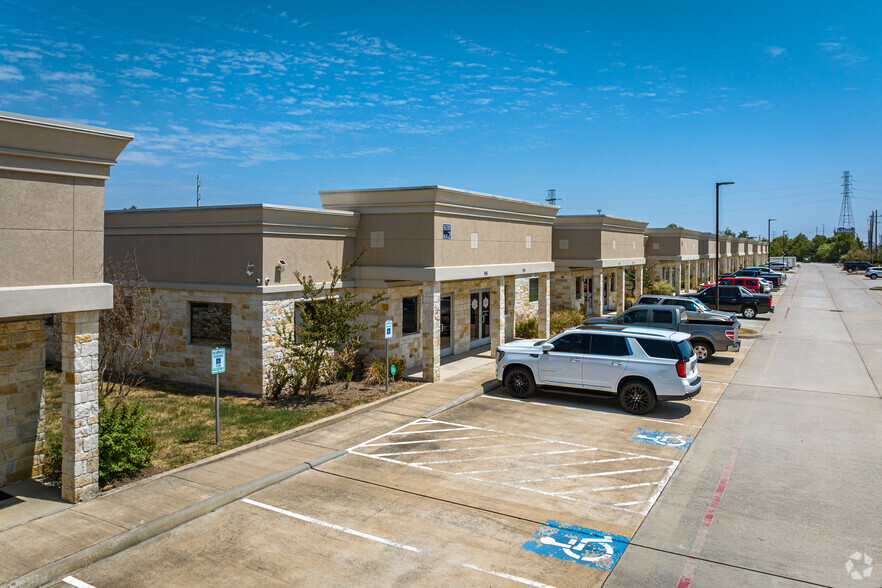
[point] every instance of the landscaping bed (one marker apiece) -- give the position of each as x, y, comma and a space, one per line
182, 417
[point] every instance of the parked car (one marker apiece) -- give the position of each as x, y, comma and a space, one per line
639, 366
873, 272
707, 336
736, 299
776, 265
758, 285
775, 278
695, 309
854, 266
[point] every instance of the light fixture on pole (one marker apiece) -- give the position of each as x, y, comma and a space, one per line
717, 233
769, 245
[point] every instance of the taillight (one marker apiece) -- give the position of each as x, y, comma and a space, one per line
731, 334
681, 368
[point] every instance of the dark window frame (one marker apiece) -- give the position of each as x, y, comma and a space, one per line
533, 295
410, 326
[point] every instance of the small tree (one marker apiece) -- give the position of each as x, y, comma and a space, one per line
130, 332
328, 320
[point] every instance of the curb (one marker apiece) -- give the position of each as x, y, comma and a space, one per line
58, 569
85, 557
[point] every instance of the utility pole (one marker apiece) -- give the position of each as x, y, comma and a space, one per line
198, 185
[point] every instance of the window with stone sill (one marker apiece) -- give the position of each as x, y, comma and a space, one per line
211, 324
410, 314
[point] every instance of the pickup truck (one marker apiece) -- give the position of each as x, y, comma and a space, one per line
707, 336
736, 299
695, 309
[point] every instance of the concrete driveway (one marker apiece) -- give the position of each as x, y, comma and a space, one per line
496, 491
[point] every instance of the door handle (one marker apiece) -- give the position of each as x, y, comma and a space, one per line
575, 360
617, 363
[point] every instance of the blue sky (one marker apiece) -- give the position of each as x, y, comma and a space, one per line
632, 108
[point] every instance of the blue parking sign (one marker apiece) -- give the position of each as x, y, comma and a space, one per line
664, 438
577, 544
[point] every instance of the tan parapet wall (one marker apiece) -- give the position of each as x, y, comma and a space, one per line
22, 432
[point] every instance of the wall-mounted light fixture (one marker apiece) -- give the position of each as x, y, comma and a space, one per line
280, 267
249, 269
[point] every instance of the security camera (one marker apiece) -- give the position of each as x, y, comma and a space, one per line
281, 265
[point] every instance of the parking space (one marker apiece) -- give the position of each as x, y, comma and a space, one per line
496, 491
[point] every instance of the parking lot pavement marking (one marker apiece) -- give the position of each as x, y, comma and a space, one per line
662, 438
75, 582
557, 473
672, 423
368, 536
577, 544
700, 400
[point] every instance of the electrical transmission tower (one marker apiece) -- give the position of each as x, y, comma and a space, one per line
846, 218
552, 197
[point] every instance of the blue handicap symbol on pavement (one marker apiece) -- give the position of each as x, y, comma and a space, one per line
578, 544
662, 438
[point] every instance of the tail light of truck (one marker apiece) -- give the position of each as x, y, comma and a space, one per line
731, 334
681, 368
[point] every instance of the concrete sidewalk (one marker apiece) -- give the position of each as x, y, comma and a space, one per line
50, 547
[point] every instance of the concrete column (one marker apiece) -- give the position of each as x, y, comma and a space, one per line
597, 292
620, 284
688, 276
497, 314
544, 315
79, 406
638, 288
431, 331
509, 308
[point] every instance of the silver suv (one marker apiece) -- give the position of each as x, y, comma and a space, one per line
639, 365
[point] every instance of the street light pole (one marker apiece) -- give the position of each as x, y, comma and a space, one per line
717, 263
769, 244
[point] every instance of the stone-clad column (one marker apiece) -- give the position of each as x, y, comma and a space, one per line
510, 316
431, 331
676, 272
79, 405
620, 284
638, 288
597, 292
688, 276
497, 314
544, 315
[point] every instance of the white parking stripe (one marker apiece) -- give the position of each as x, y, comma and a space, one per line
74, 582
669, 422
545, 465
516, 456
330, 525
592, 475
442, 450
700, 400
624, 487
428, 440
532, 402
509, 577
464, 428
308, 519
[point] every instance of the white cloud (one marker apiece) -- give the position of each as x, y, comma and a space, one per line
551, 47
10, 73
757, 104
776, 51
141, 73
15, 56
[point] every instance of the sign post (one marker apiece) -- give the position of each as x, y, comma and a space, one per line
218, 366
388, 336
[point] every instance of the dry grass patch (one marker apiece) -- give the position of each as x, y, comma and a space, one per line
182, 417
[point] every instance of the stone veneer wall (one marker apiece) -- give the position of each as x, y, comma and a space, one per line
22, 371
524, 309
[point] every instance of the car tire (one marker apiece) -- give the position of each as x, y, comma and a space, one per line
519, 382
703, 350
636, 397
872, 276
748, 311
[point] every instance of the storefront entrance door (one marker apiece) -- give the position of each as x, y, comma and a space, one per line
479, 311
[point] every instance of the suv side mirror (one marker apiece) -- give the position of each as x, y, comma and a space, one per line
546, 347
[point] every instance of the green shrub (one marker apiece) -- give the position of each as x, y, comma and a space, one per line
279, 380
528, 329
561, 320
124, 441
660, 288
52, 458
375, 374
348, 361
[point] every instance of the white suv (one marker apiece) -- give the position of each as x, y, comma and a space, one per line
640, 365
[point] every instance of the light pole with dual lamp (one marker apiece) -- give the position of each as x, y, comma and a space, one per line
717, 233
769, 245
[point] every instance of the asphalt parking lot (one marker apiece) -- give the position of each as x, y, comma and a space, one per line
497, 491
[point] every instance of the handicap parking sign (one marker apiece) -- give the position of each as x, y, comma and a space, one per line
577, 544
664, 438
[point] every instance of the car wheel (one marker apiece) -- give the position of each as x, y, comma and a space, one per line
748, 312
519, 382
703, 351
872, 276
637, 398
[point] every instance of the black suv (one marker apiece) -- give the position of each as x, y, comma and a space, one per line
736, 299
856, 266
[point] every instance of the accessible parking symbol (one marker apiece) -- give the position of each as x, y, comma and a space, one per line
578, 544
662, 438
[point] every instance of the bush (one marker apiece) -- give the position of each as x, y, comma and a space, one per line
561, 320
375, 374
348, 361
660, 288
124, 441
280, 380
528, 329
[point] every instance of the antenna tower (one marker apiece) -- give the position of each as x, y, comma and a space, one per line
198, 185
552, 197
846, 218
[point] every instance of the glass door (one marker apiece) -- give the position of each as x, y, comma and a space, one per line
479, 311
446, 324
